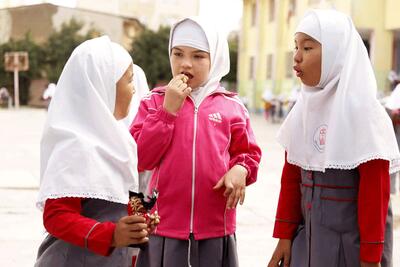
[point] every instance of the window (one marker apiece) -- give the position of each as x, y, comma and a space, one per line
289, 64
367, 45
271, 10
254, 14
396, 54
367, 38
252, 68
269, 66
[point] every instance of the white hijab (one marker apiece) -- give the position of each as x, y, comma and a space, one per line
141, 89
85, 151
218, 49
339, 123
393, 102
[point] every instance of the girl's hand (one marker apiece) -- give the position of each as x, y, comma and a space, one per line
235, 185
176, 92
281, 256
130, 230
370, 264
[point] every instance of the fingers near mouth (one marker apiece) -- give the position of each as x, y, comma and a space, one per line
187, 74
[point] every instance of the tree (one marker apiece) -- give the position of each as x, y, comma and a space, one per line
47, 60
233, 56
150, 51
60, 45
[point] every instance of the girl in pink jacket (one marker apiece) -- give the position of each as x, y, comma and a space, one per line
197, 137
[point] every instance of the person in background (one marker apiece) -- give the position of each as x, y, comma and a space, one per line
393, 108
49, 93
5, 98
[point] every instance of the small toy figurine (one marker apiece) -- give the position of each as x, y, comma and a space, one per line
138, 205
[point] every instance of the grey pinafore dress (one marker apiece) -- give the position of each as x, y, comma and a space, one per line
170, 252
56, 252
329, 236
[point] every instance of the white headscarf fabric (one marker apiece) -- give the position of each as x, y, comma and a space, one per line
310, 24
219, 55
85, 151
189, 33
121, 58
393, 102
141, 89
339, 123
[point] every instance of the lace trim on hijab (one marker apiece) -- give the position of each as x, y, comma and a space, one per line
40, 204
394, 164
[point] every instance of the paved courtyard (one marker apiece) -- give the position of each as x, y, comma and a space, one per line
21, 229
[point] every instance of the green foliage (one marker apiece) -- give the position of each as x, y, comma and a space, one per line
150, 51
45, 61
60, 46
233, 55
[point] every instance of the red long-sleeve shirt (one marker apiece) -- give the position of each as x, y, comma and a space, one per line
373, 201
62, 218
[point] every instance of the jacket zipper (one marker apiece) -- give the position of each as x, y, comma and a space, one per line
196, 109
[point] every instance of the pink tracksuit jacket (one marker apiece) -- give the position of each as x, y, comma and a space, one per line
189, 153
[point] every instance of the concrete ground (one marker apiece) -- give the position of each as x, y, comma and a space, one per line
21, 229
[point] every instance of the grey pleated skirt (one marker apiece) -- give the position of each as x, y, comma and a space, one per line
329, 236
169, 252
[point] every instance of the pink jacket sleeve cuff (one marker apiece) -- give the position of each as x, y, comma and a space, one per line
165, 116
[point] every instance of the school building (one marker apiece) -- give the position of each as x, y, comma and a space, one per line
122, 20
41, 20
266, 41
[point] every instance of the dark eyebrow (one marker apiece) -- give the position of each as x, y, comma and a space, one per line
177, 49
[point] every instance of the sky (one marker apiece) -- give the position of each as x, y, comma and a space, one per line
227, 13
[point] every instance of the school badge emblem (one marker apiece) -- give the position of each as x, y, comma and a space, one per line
319, 138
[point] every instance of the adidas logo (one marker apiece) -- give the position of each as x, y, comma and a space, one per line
216, 117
